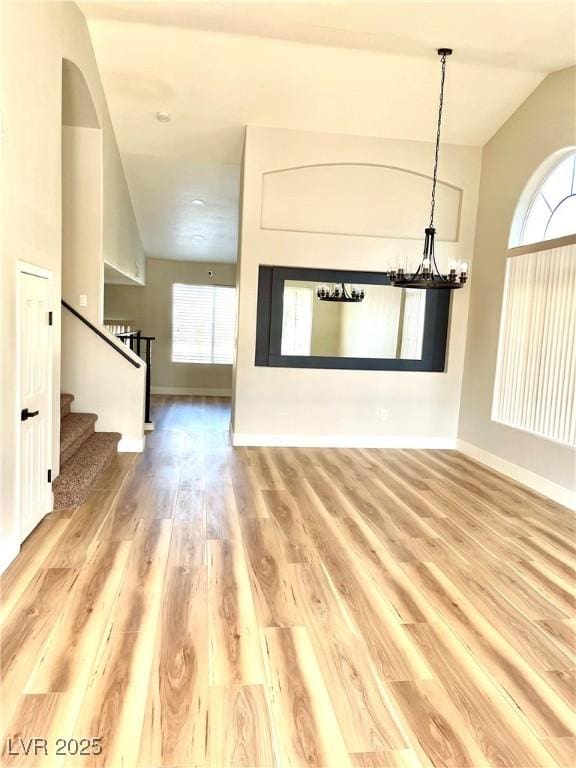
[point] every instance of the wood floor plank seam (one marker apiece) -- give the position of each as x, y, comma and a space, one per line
274, 607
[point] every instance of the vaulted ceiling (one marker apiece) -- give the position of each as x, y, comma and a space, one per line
365, 68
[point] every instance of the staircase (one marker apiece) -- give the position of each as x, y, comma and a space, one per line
84, 453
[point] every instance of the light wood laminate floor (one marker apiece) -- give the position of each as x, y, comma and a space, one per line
210, 606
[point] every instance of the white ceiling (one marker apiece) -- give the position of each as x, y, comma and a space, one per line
365, 68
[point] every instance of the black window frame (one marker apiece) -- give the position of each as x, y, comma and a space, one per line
270, 307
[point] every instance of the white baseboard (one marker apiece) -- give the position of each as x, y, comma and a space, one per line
557, 493
131, 445
202, 391
8, 552
342, 441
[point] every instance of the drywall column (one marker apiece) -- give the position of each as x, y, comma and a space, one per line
333, 228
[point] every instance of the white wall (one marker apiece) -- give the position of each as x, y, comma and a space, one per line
149, 308
82, 265
274, 405
118, 396
100, 379
34, 39
542, 125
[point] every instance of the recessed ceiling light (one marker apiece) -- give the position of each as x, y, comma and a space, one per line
199, 237
198, 202
163, 117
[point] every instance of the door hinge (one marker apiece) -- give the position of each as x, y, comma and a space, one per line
49, 475
50, 318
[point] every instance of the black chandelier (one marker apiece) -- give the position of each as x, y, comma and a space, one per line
339, 292
428, 275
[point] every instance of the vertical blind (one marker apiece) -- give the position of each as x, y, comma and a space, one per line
536, 369
413, 324
297, 321
203, 320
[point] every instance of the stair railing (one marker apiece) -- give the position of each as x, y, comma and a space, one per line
99, 333
142, 346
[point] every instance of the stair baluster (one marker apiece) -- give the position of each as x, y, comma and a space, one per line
134, 340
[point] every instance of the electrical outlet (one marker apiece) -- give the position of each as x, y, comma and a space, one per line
83, 300
383, 414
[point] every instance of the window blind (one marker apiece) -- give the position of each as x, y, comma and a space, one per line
203, 323
297, 321
413, 324
536, 368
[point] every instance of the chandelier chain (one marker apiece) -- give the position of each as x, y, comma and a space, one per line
437, 150
428, 275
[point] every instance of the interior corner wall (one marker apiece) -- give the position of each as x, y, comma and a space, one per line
331, 407
149, 308
82, 266
34, 39
543, 124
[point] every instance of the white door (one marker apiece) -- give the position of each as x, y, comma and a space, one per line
35, 400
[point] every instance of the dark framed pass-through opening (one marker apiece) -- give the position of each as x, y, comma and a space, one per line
388, 329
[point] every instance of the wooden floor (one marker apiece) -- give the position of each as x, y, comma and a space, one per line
210, 606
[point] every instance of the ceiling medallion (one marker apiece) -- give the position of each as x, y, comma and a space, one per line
339, 292
428, 275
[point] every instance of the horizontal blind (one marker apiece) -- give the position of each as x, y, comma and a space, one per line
224, 325
535, 386
203, 320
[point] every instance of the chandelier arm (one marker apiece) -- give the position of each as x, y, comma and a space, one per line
435, 267
435, 272
437, 148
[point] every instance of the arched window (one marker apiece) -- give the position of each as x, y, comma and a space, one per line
535, 386
552, 211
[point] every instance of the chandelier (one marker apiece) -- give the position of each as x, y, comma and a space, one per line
339, 292
428, 275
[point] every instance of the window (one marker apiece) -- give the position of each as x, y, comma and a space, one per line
203, 321
413, 324
535, 386
297, 321
552, 212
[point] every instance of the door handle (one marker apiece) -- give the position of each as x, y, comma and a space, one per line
26, 414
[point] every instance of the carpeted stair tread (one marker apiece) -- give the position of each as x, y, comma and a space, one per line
65, 403
75, 428
77, 475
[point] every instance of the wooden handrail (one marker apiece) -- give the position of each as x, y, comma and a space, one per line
135, 335
99, 333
